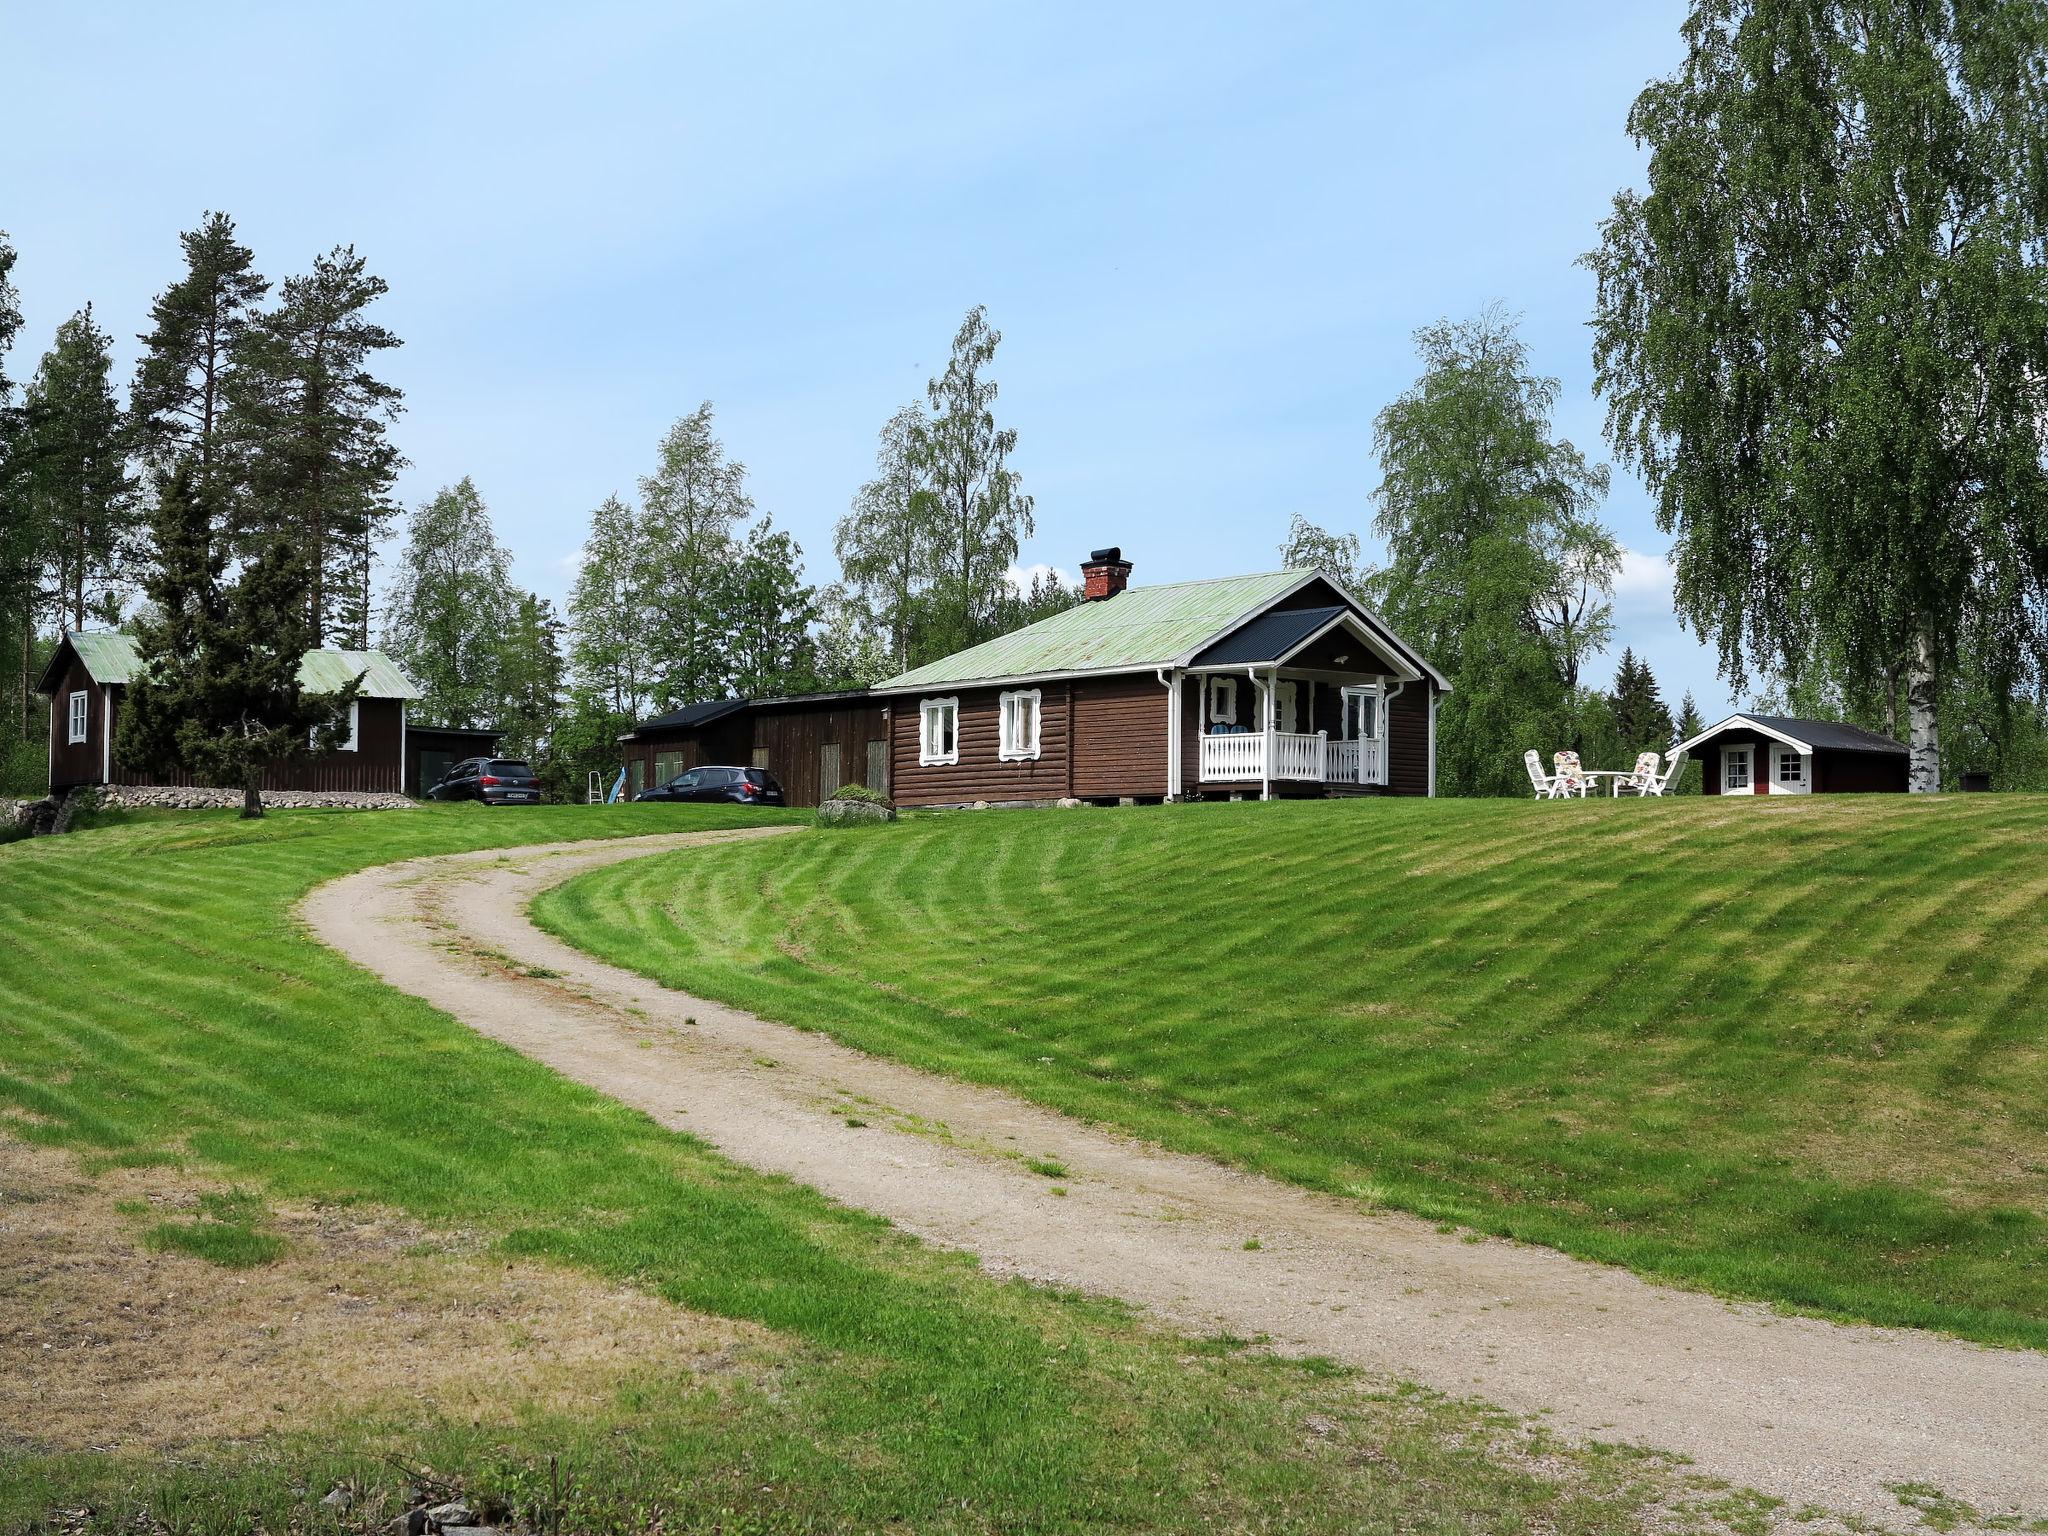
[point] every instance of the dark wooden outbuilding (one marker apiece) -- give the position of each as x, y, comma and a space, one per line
813, 743
89, 672
1780, 755
431, 750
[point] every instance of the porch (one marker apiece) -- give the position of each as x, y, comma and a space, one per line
1254, 757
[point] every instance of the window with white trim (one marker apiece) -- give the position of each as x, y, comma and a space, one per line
347, 742
1223, 701
1734, 768
81, 718
938, 731
1017, 738
1791, 767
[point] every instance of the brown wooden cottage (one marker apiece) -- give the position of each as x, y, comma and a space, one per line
1778, 755
1249, 686
88, 674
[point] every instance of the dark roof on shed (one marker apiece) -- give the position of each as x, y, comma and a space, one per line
1268, 637
1825, 735
688, 718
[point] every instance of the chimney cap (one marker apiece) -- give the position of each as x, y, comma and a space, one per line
1110, 556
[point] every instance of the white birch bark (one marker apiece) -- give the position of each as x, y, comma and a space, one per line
1923, 770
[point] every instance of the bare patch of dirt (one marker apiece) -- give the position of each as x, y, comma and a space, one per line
107, 1345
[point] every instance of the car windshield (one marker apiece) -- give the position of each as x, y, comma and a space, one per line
510, 767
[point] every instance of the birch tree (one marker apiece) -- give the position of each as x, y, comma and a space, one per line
887, 543
608, 614
692, 508
1822, 334
451, 609
977, 507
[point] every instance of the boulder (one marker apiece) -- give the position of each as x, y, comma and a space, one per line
1069, 803
843, 813
451, 1515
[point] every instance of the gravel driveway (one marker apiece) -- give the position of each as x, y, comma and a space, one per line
1811, 1412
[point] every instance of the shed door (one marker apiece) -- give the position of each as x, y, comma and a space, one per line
828, 770
878, 765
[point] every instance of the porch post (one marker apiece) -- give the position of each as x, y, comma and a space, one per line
1266, 761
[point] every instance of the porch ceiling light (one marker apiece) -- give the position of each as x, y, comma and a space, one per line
1344, 658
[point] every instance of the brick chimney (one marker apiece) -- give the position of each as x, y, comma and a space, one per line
1106, 573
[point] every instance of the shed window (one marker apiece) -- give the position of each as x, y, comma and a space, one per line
667, 765
80, 717
938, 731
1791, 767
348, 740
1223, 701
1735, 768
1019, 737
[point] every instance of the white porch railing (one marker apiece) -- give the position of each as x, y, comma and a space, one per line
1239, 758
1358, 762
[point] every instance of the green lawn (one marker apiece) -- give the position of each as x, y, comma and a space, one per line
157, 1002
1786, 1051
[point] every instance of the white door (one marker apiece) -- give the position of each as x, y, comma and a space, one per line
1361, 723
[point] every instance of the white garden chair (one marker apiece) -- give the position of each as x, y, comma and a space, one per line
1642, 779
1657, 783
1544, 785
1571, 777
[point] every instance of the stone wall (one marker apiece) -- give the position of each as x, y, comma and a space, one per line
160, 797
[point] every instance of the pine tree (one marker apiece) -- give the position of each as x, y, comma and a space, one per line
977, 508
79, 498
217, 692
19, 551
312, 418
608, 614
451, 605
1641, 719
693, 505
178, 405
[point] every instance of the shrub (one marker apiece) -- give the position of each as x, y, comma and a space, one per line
860, 792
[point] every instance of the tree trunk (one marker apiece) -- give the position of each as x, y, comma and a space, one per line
252, 797
1923, 772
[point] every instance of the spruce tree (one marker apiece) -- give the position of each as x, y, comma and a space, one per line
1640, 718
311, 418
768, 616
1688, 725
217, 691
19, 553
78, 498
178, 404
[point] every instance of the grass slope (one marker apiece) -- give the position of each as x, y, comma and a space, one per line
1786, 1051
157, 1002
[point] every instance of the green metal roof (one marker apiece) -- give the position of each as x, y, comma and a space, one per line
112, 658
1139, 627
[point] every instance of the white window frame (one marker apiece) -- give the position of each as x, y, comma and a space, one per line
1013, 744
1222, 700
348, 742
78, 724
1730, 756
930, 711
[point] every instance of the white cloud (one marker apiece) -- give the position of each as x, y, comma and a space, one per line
1020, 577
1643, 576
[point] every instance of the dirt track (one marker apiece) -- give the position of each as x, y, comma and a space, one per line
1810, 1412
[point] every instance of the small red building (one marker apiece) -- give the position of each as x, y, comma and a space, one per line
1778, 755
88, 674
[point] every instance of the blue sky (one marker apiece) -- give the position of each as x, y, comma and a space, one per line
1206, 232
